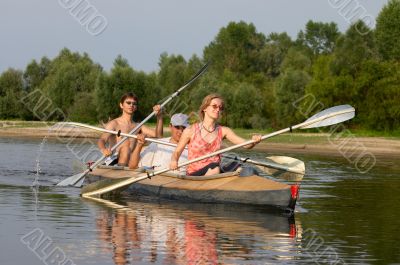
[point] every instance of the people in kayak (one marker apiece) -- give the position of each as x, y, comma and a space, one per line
206, 137
158, 156
124, 123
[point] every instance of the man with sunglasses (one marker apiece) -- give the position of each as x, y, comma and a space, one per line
128, 104
158, 156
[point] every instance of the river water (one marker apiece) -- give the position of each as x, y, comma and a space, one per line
342, 217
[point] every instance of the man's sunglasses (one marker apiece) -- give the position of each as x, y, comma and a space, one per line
180, 127
133, 103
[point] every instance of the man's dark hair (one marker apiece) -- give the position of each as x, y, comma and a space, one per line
128, 95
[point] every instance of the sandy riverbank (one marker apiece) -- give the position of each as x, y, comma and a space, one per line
325, 144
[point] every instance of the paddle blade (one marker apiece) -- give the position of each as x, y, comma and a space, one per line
79, 183
90, 189
292, 169
109, 186
330, 116
72, 180
293, 165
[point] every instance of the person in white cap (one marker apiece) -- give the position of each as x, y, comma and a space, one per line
156, 155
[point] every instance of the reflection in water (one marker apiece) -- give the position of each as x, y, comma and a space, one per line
170, 233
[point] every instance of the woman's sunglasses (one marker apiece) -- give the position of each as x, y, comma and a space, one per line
220, 107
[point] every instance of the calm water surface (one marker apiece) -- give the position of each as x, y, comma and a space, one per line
343, 217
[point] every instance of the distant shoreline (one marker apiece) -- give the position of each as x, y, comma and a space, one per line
297, 143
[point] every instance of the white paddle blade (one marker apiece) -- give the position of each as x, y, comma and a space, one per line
79, 183
71, 180
293, 165
292, 168
330, 116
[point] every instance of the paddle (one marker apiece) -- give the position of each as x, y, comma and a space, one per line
294, 164
271, 164
289, 164
79, 177
115, 132
326, 117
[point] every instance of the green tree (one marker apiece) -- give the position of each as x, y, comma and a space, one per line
388, 31
273, 53
84, 108
236, 48
246, 110
289, 89
147, 88
122, 79
327, 89
111, 86
172, 73
184, 103
377, 97
296, 59
35, 73
319, 37
353, 48
70, 74
207, 84
11, 88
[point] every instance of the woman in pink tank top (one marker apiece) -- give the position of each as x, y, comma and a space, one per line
206, 137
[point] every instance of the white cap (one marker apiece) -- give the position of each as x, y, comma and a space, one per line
179, 119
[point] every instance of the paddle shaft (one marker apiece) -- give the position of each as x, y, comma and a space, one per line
119, 133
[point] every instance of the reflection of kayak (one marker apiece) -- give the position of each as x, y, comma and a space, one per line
222, 188
230, 219
191, 231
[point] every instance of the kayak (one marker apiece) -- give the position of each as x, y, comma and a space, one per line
227, 187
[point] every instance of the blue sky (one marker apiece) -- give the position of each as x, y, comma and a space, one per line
141, 30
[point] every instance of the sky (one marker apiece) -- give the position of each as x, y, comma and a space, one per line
141, 30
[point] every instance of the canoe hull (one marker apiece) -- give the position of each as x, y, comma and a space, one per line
254, 190
279, 198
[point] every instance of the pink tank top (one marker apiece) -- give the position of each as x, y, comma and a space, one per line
199, 147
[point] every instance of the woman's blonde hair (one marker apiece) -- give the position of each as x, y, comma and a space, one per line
206, 102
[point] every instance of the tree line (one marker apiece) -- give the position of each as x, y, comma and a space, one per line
267, 81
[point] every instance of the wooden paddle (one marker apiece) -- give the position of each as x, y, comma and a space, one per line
287, 165
326, 117
77, 180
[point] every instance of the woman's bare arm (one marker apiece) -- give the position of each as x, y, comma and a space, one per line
183, 141
235, 139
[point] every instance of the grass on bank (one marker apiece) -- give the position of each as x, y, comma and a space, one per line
298, 136
24, 124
